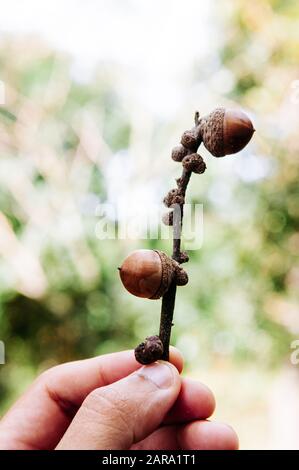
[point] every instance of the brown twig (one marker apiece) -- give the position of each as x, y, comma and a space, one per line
168, 300
157, 347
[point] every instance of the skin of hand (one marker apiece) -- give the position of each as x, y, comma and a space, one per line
111, 402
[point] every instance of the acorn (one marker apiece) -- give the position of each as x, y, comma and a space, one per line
225, 131
149, 273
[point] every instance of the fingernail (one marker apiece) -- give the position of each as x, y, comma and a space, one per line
160, 373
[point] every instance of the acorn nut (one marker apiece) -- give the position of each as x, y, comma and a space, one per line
149, 273
225, 131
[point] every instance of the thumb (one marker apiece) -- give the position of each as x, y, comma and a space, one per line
118, 415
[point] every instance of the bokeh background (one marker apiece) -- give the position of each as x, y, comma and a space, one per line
94, 95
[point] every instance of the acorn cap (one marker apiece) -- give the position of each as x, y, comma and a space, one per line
225, 131
171, 271
168, 272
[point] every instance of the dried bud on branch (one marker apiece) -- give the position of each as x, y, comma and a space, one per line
149, 351
174, 196
191, 139
178, 153
167, 218
181, 277
194, 162
183, 258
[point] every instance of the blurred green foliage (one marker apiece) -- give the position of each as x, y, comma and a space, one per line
60, 296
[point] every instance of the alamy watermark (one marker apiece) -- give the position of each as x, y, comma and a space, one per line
2, 353
133, 221
295, 354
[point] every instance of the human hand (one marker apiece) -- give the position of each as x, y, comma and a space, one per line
110, 402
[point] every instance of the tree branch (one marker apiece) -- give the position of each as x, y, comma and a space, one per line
168, 300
